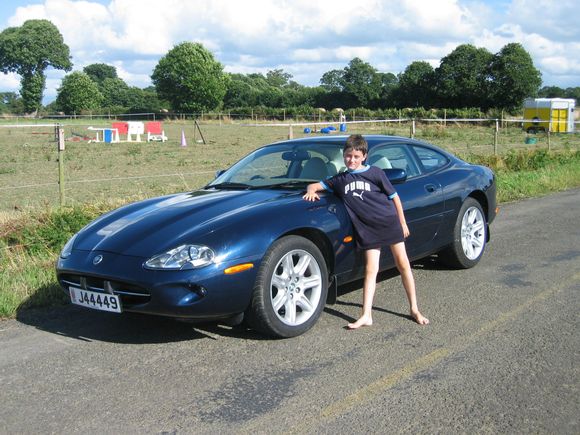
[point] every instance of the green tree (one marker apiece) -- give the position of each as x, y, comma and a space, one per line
145, 100
416, 85
28, 51
10, 102
361, 81
389, 84
275, 90
359, 84
512, 77
573, 93
98, 72
278, 78
332, 81
78, 93
551, 92
190, 78
115, 92
240, 92
461, 77
557, 92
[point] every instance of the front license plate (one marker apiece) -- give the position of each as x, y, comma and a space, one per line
94, 300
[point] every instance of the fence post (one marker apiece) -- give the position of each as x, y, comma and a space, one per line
495, 137
549, 142
59, 132
290, 133
412, 133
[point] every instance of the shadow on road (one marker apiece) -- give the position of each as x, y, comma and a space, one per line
429, 263
88, 325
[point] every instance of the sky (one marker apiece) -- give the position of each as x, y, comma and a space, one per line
305, 38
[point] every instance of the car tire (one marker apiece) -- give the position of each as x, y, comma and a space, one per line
290, 290
469, 237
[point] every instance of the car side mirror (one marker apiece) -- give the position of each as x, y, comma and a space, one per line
219, 172
396, 175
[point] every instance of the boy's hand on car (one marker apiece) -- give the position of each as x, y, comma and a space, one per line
311, 196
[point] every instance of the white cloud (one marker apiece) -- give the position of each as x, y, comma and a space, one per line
556, 20
308, 55
307, 38
445, 17
561, 65
9, 82
137, 73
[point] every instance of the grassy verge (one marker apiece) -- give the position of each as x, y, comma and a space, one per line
29, 246
30, 243
526, 174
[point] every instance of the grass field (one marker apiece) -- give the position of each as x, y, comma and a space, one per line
99, 177
96, 172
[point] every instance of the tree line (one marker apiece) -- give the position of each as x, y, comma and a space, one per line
188, 79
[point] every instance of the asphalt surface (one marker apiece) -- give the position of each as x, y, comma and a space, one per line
501, 355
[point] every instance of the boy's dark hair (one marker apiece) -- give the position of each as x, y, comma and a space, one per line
356, 142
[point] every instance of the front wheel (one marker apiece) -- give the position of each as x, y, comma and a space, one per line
469, 237
290, 289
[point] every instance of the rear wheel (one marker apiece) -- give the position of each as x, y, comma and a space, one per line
290, 289
469, 237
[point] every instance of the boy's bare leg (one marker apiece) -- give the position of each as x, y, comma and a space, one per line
400, 254
371, 269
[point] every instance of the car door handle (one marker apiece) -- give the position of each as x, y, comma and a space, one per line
430, 188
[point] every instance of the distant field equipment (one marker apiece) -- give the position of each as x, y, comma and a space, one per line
155, 132
555, 115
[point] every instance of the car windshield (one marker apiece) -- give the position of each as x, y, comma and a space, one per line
283, 165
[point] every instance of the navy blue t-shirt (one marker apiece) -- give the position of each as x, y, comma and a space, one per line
367, 195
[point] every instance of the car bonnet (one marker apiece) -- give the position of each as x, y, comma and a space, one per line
147, 228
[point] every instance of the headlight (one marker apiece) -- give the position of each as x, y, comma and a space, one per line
182, 257
67, 248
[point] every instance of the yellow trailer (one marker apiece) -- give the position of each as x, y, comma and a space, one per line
549, 114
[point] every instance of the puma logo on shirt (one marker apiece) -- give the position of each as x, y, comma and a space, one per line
359, 195
357, 185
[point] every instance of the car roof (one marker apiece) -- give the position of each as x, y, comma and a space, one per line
372, 139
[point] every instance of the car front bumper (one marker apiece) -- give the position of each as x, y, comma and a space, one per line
203, 293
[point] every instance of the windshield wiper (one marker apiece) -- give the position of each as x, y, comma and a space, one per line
288, 184
228, 185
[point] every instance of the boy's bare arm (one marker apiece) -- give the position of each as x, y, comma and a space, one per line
311, 190
401, 214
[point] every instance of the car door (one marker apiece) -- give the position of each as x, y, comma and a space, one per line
421, 194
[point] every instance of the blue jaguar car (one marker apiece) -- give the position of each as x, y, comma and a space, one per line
247, 246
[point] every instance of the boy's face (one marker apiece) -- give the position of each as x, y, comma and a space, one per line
353, 159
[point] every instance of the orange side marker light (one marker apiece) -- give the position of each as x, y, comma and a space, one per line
238, 268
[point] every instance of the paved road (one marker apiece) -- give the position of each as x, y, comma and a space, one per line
500, 356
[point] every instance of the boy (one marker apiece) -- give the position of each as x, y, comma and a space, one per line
377, 217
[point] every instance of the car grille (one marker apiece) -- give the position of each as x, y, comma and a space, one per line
130, 294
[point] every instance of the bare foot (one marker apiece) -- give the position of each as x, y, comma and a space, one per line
363, 321
419, 318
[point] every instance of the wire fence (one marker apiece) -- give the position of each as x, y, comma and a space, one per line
38, 170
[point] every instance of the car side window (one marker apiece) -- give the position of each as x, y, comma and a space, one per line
430, 159
396, 156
